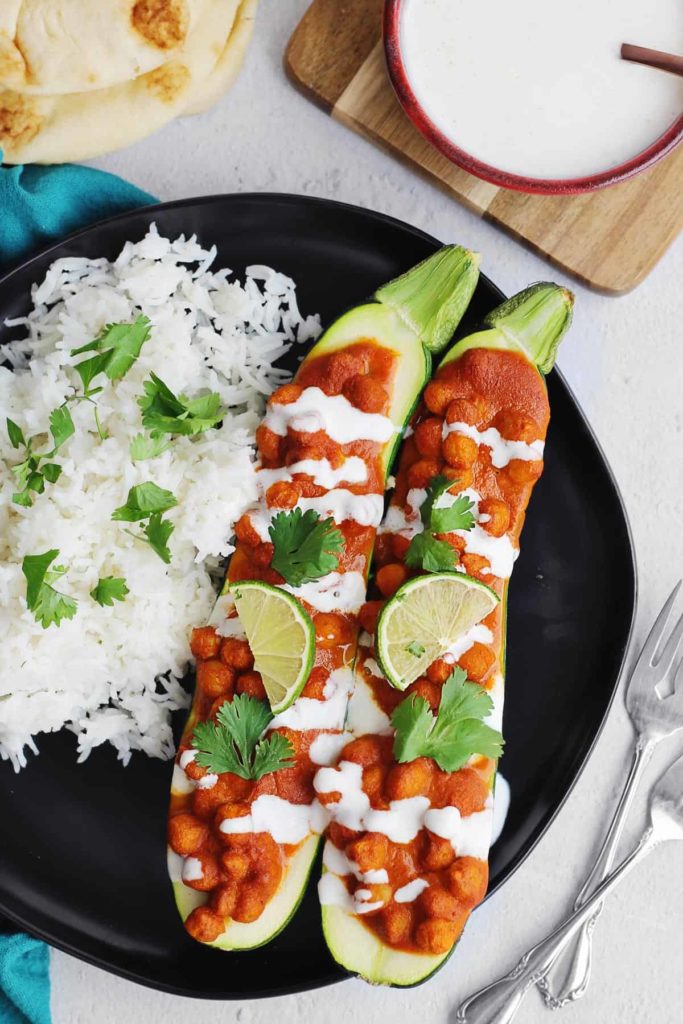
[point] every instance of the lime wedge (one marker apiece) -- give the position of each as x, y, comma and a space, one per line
281, 636
424, 618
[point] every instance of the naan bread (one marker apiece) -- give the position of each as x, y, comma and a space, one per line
78, 126
229, 63
64, 46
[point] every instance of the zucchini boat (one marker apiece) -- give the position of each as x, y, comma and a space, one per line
241, 843
406, 856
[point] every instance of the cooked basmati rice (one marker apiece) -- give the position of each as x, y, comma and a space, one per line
111, 674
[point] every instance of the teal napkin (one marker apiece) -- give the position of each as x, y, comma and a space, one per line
24, 981
39, 205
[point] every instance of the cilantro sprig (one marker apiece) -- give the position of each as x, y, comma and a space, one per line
164, 412
455, 733
235, 743
426, 551
148, 501
109, 589
49, 606
306, 546
36, 469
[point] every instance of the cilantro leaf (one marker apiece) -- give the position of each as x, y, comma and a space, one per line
234, 743
436, 487
306, 546
455, 733
109, 589
157, 531
61, 426
458, 516
166, 413
15, 433
119, 346
47, 604
52, 472
432, 555
147, 446
143, 501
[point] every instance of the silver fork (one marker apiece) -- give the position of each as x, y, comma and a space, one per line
655, 715
499, 1002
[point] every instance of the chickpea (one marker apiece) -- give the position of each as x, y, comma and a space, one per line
216, 706
365, 750
285, 394
521, 472
251, 684
186, 834
422, 472
439, 671
383, 549
214, 678
399, 545
379, 893
439, 853
282, 494
235, 865
224, 898
237, 654
332, 629
397, 923
338, 834
370, 852
459, 451
365, 393
476, 565
369, 614
245, 532
437, 902
210, 875
407, 780
250, 903
204, 924
467, 410
431, 692
514, 425
461, 478
468, 879
428, 437
315, 684
434, 936
390, 577
478, 662
269, 443
204, 642
438, 395
467, 791
498, 513
373, 783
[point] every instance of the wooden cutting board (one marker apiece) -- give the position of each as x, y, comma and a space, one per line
610, 239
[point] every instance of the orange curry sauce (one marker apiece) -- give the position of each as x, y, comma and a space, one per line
240, 873
483, 388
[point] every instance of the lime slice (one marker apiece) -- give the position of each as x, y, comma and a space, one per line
424, 618
281, 636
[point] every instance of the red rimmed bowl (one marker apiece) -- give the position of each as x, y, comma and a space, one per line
415, 110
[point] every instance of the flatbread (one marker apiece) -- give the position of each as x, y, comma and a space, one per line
78, 126
49, 47
229, 63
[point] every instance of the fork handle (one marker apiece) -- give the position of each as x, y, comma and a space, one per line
570, 974
498, 1003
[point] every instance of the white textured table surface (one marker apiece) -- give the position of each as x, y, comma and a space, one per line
624, 360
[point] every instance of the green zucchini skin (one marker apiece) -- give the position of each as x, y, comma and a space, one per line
389, 327
532, 324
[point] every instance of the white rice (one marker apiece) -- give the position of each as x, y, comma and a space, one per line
111, 674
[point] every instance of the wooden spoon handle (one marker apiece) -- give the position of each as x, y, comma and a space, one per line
654, 58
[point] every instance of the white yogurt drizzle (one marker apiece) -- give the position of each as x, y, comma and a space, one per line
501, 806
469, 836
352, 471
336, 860
408, 893
192, 870
307, 713
286, 822
341, 421
364, 716
478, 634
336, 592
327, 746
333, 892
339, 504
502, 450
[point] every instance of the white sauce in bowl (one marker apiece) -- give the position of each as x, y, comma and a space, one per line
539, 90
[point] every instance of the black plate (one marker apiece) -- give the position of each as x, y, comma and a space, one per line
82, 859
